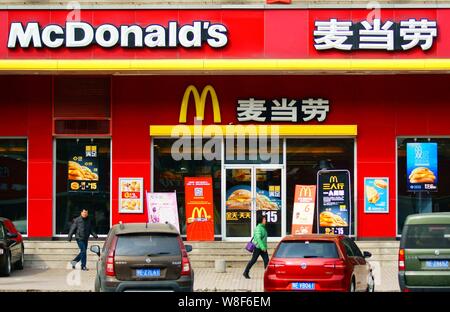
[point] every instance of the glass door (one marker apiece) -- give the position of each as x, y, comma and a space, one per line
238, 202
252, 192
269, 198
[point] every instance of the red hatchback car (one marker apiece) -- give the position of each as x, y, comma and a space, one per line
319, 263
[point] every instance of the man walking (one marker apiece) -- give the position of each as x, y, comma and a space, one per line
82, 229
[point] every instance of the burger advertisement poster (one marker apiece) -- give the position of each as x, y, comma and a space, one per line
376, 195
334, 202
421, 167
82, 171
131, 195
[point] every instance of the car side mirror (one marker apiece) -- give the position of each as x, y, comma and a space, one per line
367, 254
95, 249
188, 248
12, 235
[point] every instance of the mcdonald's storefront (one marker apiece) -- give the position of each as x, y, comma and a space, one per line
259, 102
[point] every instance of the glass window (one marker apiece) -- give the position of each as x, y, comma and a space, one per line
426, 236
410, 202
348, 248
13, 182
83, 169
310, 249
147, 245
169, 171
305, 157
254, 150
356, 251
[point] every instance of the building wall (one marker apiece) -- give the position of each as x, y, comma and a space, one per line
383, 107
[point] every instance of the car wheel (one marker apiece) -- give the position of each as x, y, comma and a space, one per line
371, 284
19, 264
6, 270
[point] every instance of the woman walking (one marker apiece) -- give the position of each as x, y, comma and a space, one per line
260, 241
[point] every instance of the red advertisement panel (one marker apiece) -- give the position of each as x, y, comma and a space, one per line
199, 208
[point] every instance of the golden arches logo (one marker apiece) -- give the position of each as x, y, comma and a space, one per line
200, 102
305, 192
334, 179
199, 214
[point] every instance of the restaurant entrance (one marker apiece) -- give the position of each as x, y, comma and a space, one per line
252, 191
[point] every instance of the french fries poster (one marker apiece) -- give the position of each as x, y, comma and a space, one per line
82, 170
376, 195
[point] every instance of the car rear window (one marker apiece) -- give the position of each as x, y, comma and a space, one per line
148, 245
426, 236
307, 249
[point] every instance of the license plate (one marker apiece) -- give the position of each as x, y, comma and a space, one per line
437, 264
148, 272
304, 286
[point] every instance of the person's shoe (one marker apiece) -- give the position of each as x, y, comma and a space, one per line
74, 263
246, 275
84, 269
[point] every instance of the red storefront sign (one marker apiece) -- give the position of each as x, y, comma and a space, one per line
219, 34
199, 208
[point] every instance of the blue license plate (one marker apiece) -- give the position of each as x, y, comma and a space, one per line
440, 264
303, 286
148, 272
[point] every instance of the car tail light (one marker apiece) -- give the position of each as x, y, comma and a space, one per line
185, 264
338, 264
406, 290
276, 265
401, 260
110, 269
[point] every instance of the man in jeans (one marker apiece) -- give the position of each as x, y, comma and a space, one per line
82, 229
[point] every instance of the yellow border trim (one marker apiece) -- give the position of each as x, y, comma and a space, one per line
228, 65
250, 130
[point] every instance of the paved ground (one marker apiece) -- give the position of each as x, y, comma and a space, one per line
205, 280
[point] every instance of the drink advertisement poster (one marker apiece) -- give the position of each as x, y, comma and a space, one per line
199, 208
376, 195
131, 195
304, 209
334, 202
421, 167
82, 170
162, 208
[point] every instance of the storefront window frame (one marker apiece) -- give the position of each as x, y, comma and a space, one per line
397, 138
354, 183
283, 166
27, 178
55, 138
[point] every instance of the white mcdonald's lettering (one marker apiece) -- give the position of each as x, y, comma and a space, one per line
200, 102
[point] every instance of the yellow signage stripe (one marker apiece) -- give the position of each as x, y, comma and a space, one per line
253, 130
176, 65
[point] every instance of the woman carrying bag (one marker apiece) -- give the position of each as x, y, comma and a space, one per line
260, 242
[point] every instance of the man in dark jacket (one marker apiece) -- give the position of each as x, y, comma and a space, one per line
82, 229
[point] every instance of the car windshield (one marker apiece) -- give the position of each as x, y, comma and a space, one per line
148, 245
307, 249
425, 236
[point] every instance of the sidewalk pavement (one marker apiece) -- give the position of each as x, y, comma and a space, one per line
33, 280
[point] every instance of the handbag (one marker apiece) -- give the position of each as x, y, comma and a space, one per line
250, 247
